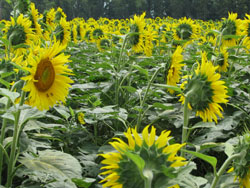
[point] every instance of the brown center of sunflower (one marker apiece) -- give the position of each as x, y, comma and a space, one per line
45, 75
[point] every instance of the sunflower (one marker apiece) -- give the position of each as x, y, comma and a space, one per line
62, 31
230, 26
19, 31
50, 17
97, 33
222, 60
185, 29
206, 91
156, 152
87, 34
74, 32
149, 38
47, 83
246, 31
34, 19
137, 29
103, 43
173, 75
59, 14
241, 165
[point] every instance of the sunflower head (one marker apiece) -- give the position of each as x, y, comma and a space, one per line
241, 165
97, 33
136, 29
103, 43
204, 91
230, 26
222, 60
59, 14
34, 16
174, 69
18, 31
47, 82
62, 31
185, 30
141, 158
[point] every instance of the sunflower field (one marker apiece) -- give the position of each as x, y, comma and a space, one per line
129, 103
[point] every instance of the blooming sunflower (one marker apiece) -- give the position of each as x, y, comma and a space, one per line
222, 60
74, 32
62, 31
97, 33
157, 154
185, 29
137, 28
50, 17
246, 31
149, 38
173, 75
207, 91
230, 26
59, 14
34, 19
47, 83
103, 43
19, 31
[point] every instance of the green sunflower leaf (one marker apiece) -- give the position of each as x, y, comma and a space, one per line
211, 160
61, 166
11, 95
141, 70
169, 87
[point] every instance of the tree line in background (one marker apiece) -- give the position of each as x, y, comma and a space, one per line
195, 9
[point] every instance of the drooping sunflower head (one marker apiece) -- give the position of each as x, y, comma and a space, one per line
47, 83
156, 156
230, 26
222, 60
205, 91
62, 32
19, 31
174, 68
185, 29
137, 29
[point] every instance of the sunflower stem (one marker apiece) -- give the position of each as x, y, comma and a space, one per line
4, 123
224, 167
2, 139
12, 160
117, 84
236, 53
140, 116
185, 122
147, 183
